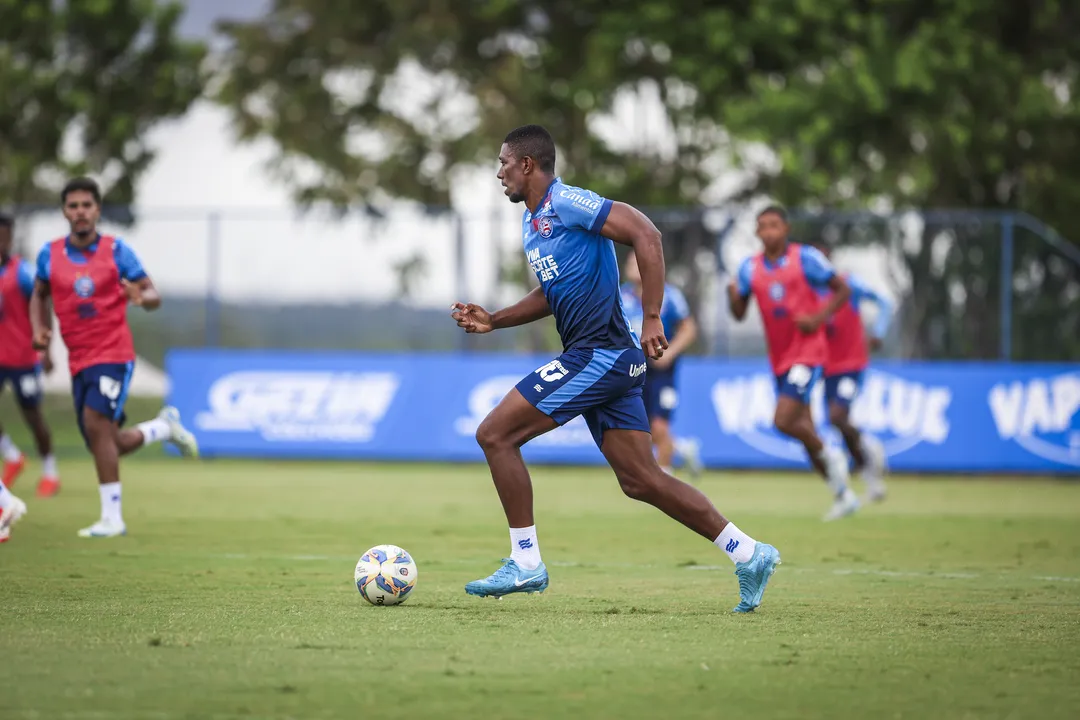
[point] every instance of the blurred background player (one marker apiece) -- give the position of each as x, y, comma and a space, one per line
785, 279
91, 277
661, 393
849, 355
20, 365
567, 233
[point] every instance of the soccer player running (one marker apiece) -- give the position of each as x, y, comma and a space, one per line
849, 355
91, 278
785, 279
660, 393
567, 236
20, 364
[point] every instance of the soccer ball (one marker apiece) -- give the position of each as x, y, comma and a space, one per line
385, 575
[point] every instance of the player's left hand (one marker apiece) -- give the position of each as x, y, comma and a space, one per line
133, 292
473, 318
808, 323
653, 342
47, 364
875, 344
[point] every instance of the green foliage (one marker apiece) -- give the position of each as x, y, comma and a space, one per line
886, 104
98, 72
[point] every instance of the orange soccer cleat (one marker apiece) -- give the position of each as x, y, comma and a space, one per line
48, 486
12, 470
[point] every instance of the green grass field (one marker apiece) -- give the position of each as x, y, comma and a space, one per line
233, 597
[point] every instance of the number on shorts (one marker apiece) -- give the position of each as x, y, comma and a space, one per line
551, 372
669, 398
109, 387
846, 388
799, 376
30, 386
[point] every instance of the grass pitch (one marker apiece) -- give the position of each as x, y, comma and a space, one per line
233, 597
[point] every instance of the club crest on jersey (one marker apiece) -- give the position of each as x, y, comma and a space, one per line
545, 227
84, 286
776, 291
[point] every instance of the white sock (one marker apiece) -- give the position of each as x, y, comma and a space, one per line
524, 547
48, 467
5, 496
156, 430
836, 472
110, 503
8, 448
738, 545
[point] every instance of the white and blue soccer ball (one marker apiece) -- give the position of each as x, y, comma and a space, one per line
385, 575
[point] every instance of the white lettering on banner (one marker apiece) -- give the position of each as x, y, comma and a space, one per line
485, 396
903, 413
1044, 407
582, 200
300, 406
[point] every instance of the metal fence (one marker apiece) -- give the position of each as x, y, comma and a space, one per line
967, 284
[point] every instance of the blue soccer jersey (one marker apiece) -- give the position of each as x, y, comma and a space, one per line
673, 310
577, 268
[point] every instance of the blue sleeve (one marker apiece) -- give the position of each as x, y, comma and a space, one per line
817, 268
127, 262
579, 208
26, 278
861, 291
676, 302
746, 269
44, 260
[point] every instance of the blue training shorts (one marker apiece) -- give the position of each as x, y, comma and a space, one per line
798, 382
602, 385
661, 397
104, 389
843, 388
26, 382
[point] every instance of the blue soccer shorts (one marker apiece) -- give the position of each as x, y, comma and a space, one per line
798, 382
104, 389
603, 385
661, 397
25, 382
843, 388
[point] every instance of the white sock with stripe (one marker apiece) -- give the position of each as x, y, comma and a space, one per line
525, 548
738, 545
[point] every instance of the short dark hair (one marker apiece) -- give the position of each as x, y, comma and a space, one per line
81, 184
774, 210
6, 220
535, 142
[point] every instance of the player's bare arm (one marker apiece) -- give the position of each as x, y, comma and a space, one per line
143, 293
40, 315
475, 319
841, 293
737, 302
627, 225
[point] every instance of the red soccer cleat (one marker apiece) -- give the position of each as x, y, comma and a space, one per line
12, 470
48, 486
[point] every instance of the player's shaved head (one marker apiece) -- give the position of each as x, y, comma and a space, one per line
535, 142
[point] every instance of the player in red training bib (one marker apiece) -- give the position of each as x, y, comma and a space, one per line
849, 355
21, 365
91, 278
785, 279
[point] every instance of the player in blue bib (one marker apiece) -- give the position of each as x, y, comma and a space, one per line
660, 393
567, 234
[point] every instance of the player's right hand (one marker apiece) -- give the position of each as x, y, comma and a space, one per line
42, 338
473, 318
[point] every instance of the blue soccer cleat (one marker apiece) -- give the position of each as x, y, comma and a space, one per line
754, 575
510, 578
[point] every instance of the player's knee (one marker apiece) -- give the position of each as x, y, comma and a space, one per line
838, 416
489, 436
637, 484
787, 423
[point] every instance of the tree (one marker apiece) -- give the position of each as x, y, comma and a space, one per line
81, 84
397, 97
901, 103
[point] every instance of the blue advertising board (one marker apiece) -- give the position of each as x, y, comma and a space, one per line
950, 417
